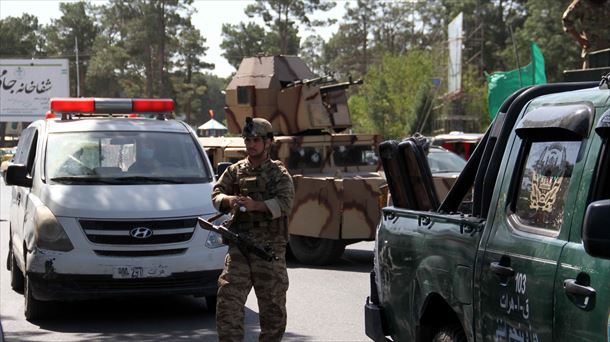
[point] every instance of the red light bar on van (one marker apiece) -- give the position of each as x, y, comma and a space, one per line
49, 115
62, 105
153, 105
110, 105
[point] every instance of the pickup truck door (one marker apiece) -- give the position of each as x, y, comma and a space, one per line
582, 289
530, 228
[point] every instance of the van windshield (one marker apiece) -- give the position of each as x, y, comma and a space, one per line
124, 158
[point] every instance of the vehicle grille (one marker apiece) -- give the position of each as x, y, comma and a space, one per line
155, 252
118, 232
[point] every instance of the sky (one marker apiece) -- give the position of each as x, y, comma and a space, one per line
210, 16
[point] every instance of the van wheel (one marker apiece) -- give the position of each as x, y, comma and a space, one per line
16, 274
10, 249
33, 308
210, 303
316, 251
450, 333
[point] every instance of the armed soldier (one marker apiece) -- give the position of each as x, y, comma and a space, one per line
263, 190
588, 22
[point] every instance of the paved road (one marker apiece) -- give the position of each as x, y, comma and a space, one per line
324, 304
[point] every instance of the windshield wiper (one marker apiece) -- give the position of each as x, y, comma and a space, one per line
80, 179
149, 179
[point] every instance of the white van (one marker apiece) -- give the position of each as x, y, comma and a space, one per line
108, 206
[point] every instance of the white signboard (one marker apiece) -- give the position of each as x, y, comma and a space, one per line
26, 85
454, 82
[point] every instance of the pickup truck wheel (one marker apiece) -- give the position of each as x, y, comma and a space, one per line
16, 274
33, 308
210, 303
450, 333
316, 251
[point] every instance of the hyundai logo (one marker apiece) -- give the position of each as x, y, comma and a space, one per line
141, 232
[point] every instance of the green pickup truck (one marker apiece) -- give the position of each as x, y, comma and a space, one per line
519, 249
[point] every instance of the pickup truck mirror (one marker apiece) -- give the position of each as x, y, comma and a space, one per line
596, 229
221, 167
557, 122
17, 174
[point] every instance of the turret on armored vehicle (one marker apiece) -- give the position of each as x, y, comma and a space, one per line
337, 182
284, 91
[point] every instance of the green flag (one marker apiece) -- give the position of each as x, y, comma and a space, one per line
501, 84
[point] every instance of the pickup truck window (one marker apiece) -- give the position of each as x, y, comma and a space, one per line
544, 183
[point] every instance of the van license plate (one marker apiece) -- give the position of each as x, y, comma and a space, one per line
137, 272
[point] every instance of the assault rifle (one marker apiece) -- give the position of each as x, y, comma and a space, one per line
242, 242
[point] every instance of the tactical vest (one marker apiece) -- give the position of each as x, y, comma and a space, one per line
257, 225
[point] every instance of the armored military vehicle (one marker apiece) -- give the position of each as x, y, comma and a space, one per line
336, 175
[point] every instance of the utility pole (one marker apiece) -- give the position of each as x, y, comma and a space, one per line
77, 69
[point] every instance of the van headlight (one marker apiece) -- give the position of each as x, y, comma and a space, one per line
49, 234
214, 240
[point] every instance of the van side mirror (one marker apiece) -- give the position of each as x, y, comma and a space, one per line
221, 167
596, 229
17, 174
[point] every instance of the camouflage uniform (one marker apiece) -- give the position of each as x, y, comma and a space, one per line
594, 23
270, 182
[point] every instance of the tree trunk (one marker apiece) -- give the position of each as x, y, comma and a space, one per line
161, 52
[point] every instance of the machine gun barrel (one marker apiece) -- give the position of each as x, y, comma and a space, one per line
339, 86
241, 241
312, 81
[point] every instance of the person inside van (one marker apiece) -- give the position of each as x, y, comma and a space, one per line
146, 160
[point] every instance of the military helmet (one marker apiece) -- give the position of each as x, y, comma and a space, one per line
257, 127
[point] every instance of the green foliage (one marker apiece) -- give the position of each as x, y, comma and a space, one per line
149, 32
543, 25
150, 48
312, 53
213, 99
20, 37
390, 97
281, 36
242, 40
475, 97
349, 51
75, 27
281, 17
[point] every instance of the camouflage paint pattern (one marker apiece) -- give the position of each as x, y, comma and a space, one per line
338, 187
260, 89
270, 282
244, 270
344, 201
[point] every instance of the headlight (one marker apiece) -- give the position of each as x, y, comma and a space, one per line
49, 233
214, 240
